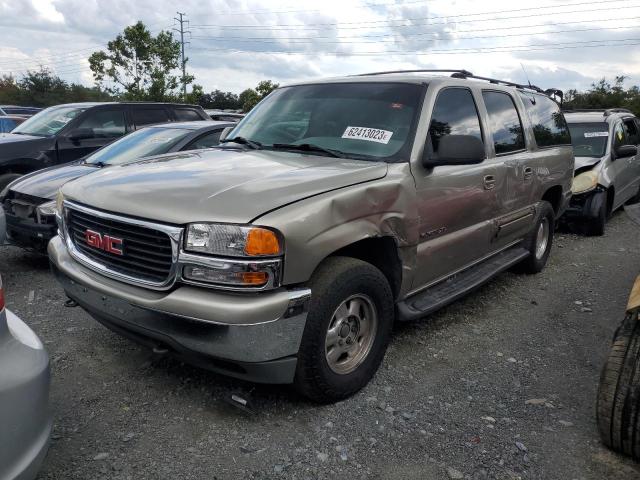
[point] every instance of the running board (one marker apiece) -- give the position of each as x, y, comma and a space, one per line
457, 286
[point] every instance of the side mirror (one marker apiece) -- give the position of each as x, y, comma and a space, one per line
456, 150
626, 151
80, 133
225, 132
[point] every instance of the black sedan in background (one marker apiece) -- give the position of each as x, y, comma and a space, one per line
29, 202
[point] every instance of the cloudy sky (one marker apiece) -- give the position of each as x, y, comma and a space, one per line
236, 43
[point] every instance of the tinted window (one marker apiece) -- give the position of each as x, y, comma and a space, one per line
209, 140
49, 121
362, 120
141, 143
631, 128
549, 126
589, 139
454, 113
20, 110
187, 115
504, 122
105, 123
148, 116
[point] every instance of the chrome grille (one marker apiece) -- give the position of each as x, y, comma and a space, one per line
147, 253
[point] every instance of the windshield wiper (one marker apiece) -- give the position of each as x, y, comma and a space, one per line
308, 147
243, 141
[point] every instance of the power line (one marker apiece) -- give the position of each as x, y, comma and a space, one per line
387, 23
420, 34
303, 41
514, 48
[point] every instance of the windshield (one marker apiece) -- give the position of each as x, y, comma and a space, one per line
589, 139
48, 122
372, 121
142, 143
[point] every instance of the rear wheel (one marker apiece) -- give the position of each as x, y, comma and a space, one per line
347, 331
618, 403
539, 240
7, 178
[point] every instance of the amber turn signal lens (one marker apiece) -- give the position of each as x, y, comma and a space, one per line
254, 278
261, 241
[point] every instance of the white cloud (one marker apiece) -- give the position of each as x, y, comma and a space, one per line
236, 43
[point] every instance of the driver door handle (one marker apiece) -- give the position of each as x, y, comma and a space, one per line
489, 182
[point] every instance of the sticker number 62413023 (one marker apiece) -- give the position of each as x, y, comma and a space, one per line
368, 134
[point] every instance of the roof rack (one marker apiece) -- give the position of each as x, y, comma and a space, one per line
465, 74
605, 111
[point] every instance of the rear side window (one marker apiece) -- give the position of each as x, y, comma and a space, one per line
105, 123
549, 126
454, 113
186, 115
504, 122
149, 116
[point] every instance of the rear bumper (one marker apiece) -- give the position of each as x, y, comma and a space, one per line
27, 234
24, 397
254, 336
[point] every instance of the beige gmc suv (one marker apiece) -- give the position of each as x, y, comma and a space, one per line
332, 210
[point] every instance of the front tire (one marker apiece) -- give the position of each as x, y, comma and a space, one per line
539, 240
595, 227
618, 403
347, 331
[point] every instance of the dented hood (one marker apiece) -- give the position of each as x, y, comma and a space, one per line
582, 162
219, 185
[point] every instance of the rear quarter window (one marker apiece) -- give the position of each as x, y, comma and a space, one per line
187, 115
549, 125
149, 116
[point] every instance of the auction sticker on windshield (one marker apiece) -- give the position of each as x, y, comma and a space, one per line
368, 134
595, 134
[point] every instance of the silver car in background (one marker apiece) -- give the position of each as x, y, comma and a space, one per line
607, 168
25, 420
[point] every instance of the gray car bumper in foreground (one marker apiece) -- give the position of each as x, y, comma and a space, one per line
25, 420
254, 336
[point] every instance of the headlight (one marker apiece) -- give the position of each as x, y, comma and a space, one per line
232, 240
584, 182
48, 208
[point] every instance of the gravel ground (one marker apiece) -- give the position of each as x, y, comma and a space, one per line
499, 385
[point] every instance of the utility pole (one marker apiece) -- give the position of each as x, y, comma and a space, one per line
182, 31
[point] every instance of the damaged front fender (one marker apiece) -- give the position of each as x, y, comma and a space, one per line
316, 227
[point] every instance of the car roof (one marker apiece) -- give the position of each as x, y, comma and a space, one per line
95, 104
416, 79
194, 125
595, 116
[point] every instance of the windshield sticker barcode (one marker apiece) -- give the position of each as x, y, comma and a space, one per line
368, 134
595, 134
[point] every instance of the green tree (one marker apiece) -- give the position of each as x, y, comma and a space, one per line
139, 66
604, 94
42, 88
249, 98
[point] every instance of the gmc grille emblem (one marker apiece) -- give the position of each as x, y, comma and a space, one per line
103, 242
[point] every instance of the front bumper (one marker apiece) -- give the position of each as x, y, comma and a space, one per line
586, 206
24, 396
28, 234
254, 336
